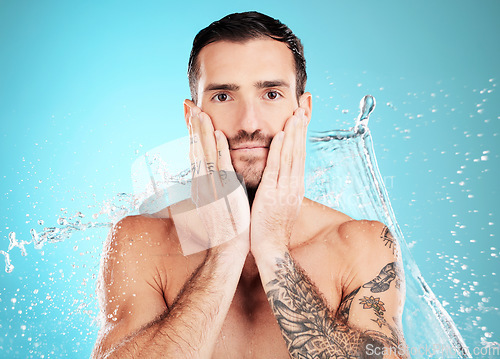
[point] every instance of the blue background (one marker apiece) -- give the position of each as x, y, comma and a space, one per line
87, 86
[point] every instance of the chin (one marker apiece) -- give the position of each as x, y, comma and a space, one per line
251, 171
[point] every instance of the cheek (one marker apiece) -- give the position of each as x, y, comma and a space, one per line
222, 116
277, 116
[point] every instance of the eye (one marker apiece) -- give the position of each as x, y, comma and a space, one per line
272, 95
221, 97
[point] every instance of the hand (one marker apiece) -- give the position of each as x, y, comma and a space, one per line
281, 191
220, 199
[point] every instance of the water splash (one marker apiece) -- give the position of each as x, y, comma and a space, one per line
8, 265
465, 309
366, 107
111, 211
344, 175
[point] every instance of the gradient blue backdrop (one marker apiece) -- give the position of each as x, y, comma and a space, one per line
87, 86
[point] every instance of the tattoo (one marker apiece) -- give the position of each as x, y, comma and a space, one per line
210, 167
195, 167
389, 240
345, 306
378, 306
308, 326
383, 281
193, 139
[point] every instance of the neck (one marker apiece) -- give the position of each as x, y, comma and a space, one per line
250, 273
251, 195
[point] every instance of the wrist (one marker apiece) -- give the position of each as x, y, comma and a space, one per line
264, 252
235, 250
267, 259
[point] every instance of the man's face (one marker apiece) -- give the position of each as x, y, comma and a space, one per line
248, 90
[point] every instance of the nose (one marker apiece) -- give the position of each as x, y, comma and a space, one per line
249, 116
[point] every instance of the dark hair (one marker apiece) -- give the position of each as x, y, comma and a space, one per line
241, 27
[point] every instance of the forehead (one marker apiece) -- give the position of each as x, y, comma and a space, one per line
246, 62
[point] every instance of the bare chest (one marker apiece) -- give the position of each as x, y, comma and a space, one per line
250, 330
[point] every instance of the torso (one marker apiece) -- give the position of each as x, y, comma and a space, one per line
250, 329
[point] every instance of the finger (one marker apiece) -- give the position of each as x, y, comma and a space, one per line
197, 157
298, 163
287, 151
227, 174
223, 156
270, 175
205, 188
227, 177
208, 142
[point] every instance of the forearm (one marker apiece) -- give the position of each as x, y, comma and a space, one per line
190, 329
307, 324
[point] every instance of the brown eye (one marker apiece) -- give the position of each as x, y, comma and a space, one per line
221, 97
272, 95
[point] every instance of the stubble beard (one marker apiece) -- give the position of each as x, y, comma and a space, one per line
250, 168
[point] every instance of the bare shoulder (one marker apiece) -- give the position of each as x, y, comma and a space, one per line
344, 236
352, 251
131, 253
367, 235
144, 236
148, 229
130, 284
373, 289
373, 252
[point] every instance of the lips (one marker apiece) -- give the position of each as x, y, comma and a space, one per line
248, 147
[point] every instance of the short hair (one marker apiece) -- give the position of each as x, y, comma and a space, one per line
239, 28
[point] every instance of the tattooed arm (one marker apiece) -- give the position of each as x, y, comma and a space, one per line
368, 321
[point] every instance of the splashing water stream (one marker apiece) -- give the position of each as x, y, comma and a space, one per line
343, 174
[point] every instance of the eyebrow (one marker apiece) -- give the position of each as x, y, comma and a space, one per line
274, 83
218, 87
258, 84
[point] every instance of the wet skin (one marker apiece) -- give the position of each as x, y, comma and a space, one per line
300, 260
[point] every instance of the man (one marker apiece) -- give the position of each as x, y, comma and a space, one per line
305, 281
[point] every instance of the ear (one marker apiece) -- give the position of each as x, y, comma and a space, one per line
188, 106
305, 101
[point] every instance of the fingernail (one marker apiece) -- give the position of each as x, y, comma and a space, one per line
281, 135
217, 134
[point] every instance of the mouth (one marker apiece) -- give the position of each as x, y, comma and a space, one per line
250, 149
246, 147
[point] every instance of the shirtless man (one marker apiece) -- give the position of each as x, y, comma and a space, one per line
305, 281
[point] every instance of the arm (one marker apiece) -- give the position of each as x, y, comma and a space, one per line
138, 323
368, 321
309, 327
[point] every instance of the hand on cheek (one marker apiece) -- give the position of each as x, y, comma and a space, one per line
220, 200
281, 191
